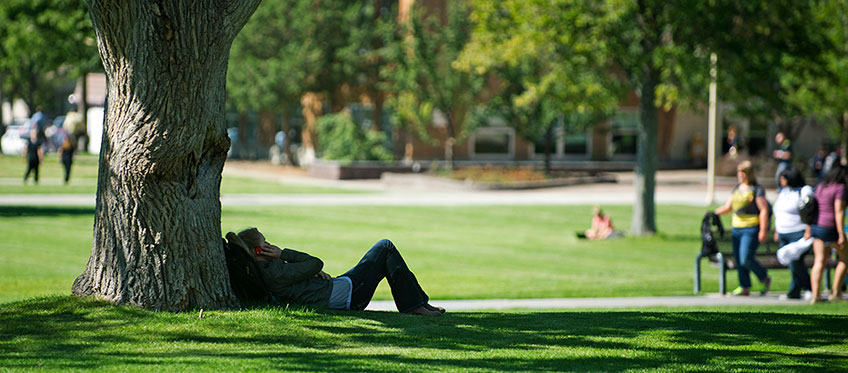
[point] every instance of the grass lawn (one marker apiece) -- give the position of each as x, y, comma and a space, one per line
459, 252
84, 179
456, 252
68, 334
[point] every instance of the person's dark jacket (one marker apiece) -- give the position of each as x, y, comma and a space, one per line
292, 278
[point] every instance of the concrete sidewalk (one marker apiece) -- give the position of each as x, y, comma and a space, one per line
611, 303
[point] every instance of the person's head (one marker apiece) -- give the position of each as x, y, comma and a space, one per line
253, 239
836, 175
38, 109
792, 178
745, 173
596, 211
779, 138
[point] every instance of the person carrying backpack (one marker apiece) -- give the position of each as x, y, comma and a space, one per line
297, 277
749, 226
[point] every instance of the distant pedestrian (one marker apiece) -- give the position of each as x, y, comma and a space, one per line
817, 164
66, 151
749, 225
783, 155
33, 154
39, 121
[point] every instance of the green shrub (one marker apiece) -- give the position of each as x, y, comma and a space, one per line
343, 140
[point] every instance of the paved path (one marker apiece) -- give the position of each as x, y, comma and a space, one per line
673, 187
571, 303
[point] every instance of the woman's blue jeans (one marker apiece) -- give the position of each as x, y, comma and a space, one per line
800, 276
745, 245
384, 261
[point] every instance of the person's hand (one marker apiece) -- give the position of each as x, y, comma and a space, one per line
270, 251
775, 236
841, 240
762, 236
324, 275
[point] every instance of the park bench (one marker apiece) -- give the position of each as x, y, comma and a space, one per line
768, 258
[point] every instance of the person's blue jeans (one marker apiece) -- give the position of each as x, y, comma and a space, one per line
745, 245
800, 276
384, 261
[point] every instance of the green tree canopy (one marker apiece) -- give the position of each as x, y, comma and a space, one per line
425, 75
42, 41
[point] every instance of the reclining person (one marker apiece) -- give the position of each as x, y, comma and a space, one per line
298, 277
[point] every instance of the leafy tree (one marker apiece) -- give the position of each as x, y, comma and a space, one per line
274, 60
157, 223
344, 140
42, 42
332, 48
425, 77
824, 92
547, 67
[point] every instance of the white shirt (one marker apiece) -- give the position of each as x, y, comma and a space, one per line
786, 218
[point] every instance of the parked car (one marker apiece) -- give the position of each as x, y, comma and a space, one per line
15, 139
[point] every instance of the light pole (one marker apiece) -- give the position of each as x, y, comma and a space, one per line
711, 141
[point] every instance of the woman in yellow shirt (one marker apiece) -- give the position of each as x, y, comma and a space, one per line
750, 223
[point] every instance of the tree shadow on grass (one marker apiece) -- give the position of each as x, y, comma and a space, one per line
66, 332
17, 211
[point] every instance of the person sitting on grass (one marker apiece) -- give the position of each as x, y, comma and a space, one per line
298, 277
601, 225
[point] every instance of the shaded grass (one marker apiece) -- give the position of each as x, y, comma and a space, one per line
65, 333
456, 252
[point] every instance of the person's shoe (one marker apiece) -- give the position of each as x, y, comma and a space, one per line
766, 286
783, 297
434, 308
835, 298
740, 292
807, 295
425, 312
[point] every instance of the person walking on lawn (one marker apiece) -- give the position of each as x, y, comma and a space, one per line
298, 277
749, 225
828, 231
33, 154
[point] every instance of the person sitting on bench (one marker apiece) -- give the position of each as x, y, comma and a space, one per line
298, 277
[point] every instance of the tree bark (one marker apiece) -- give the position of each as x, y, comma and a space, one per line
157, 228
646, 158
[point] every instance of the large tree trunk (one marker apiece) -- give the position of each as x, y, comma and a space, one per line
646, 158
157, 227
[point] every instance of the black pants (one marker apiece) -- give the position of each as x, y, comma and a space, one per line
67, 160
32, 165
384, 261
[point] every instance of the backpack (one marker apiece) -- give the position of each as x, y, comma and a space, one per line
808, 209
709, 244
245, 279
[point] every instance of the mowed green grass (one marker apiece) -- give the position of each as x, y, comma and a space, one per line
84, 179
70, 334
468, 252
458, 252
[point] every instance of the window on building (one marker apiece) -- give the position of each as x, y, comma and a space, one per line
624, 133
493, 142
576, 144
